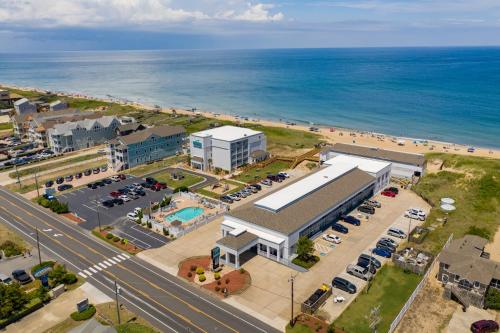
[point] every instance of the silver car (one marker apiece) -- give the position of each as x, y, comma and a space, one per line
359, 272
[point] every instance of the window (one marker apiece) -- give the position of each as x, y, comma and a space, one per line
273, 251
263, 247
445, 278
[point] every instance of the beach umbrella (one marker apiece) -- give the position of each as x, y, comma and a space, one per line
447, 201
448, 208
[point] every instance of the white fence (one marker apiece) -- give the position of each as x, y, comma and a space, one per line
422, 283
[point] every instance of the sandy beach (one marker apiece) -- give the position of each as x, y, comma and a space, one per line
330, 134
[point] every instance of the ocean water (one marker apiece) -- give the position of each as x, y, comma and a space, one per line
450, 94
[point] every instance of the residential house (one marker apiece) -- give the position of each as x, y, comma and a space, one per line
145, 146
71, 136
24, 106
58, 106
129, 128
5, 98
467, 272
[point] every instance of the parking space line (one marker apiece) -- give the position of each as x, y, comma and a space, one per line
98, 268
135, 240
149, 234
82, 275
91, 208
87, 272
92, 270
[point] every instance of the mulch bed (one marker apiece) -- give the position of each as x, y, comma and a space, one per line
238, 282
72, 217
185, 266
130, 248
315, 324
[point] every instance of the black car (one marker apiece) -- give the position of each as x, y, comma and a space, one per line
87, 172
340, 228
140, 192
386, 246
49, 183
256, 186
344, 285
78, 175
68, 178
366, 264
108, 203
107, 181
366, 209
100, 183
150, 180
96, 170
393, 189
351, 220
64, 187
226, 199
118, 201
146, 185
123, 190
367, 258
21, 276
275, 178
59, 180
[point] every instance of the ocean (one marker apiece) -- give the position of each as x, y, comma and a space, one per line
448, 94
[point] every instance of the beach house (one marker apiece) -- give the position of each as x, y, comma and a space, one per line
271, 226
58, 106
405, 165
71, 136
226, 148
145, 146
24, 106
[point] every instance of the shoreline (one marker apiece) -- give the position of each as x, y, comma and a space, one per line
331, 134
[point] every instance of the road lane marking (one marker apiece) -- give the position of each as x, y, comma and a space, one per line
116, 259
92, 270
125, 255
102, 265
112, 261
121, 257
98, 268
87, 272
82, 275
107, 263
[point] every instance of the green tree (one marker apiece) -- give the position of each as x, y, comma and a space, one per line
12, 299
305, 248
492, 300
57, 274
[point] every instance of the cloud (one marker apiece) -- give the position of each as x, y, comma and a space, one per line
109, 13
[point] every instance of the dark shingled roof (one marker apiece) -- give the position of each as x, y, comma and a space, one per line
464, 257
159, 131
130, 127
294, 216
237, 242
378, 153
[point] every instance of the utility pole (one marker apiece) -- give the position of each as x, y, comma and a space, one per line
98, 215
409, 228
117, 291
17, 175
36, 183
292, 319
38, 246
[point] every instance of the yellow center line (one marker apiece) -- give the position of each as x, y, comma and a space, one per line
130, 271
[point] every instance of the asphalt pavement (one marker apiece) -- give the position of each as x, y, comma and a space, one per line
170, 304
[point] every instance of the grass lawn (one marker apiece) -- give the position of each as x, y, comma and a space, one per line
474, 183
145, 169
255, 174
48, 166
279, 136
390, 289
29, 185
188, 180
298, 328
7, 234
214, 195
5, 126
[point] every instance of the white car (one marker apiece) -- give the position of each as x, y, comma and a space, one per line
332, 238
412, 215
125, 198
133, 217
417, 211
115, 178
284, 174
137, 210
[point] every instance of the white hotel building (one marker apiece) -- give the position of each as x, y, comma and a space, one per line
226, 147
271, 226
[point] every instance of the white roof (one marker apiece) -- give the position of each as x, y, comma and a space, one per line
303, 187
366, 164
261, 234
21, 101
227, 133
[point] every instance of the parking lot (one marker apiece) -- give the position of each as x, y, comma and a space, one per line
85, 203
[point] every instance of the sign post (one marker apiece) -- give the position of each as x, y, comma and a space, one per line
82, 305
215, 254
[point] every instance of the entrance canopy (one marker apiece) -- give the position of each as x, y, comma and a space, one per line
239, 242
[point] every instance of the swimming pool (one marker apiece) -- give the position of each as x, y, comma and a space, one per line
184, 215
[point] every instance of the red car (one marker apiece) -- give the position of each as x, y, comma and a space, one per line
484, 326
115, 194
160, 186
122, 176
388, 194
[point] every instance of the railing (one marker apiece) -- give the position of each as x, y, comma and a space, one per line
422, 283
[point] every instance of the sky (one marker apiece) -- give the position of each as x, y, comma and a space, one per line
53, 25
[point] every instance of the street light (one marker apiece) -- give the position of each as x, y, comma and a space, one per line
117, 292
97, 211
292, 319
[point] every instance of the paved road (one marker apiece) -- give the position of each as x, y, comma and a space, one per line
169, 303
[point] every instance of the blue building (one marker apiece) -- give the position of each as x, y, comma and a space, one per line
145, 146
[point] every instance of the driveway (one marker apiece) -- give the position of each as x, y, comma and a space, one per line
461, 321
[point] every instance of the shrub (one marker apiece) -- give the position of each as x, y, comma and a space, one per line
200, 270
478, 231
190, 274
84, 315
57, 275
42, 265
330, 329
202, 278
217, 275
227, 281
109, 235
181, 189
10, 248
165, 231
69, 278
149, 225
217, 288
492, 300
192, 268
123, 241
242, 270
116, 239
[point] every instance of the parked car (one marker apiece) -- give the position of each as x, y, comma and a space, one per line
115, 178
389, 240
366, 264
118, 201
133, 216
386, 246
395, 232
340, 228
68, 178
162, 185
226, 199
344, 285
275, 178
107, 181
115, 194
108, 203
125, 198
359, 272
366, 209
49, 183
104, 168
332, 238
100, 183
150, 180
373, 203
284, 174
484, 326
414, 216
388, 194
256, 186
64, 187
87, 172
392, 189
387, 243
266, 182
21, 276
382, 252
96, 171
5, 279
351, 220
234, 197
122, 176
132, 195
59, 180
368, 258
140, 192
78, 175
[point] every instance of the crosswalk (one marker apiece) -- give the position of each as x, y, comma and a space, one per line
94, 269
